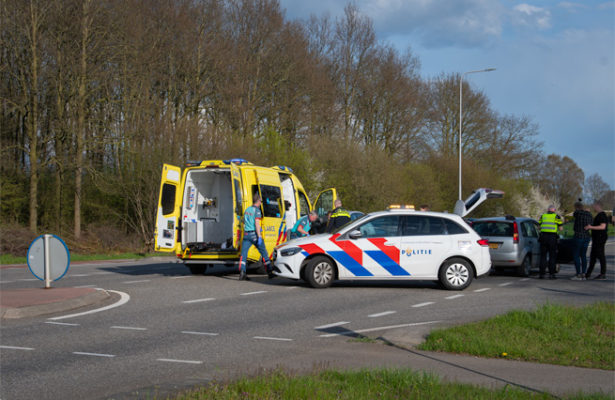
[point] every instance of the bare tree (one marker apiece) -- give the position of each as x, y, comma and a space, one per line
595, 187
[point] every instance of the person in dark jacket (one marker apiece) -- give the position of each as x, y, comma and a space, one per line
339, 217
599, 237
582, 218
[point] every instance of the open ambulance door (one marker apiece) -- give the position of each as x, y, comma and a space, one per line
169, 202
325, 202
238, 204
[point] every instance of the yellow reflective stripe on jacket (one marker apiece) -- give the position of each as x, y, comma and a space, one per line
549, 222
340, 213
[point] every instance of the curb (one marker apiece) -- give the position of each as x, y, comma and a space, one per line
110, 261
50, 308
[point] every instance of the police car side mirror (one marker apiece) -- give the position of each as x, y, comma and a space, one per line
356, 234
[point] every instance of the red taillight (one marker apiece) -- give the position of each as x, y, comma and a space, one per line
515, 233
483, 242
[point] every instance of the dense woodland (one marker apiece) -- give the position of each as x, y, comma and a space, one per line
97, 94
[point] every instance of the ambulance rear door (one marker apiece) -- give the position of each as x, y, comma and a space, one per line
238, 204
273, 222
169, 202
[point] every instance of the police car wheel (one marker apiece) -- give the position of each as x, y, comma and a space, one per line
320, 272
455, 274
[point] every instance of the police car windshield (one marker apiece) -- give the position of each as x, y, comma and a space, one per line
358, 220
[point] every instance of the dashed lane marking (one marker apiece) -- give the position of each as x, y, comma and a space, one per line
139, 281
427, 303
6, 281
179, 361
85, 286
28, 280
78, 275
273, 338
129, 328
482, 290
124, 298
81, 353
181, 277
382, 314
455, 296
60, 323
332, 325
200, 333
16, 348
505, 284
251, 293
198, 300
379, 328
524, 279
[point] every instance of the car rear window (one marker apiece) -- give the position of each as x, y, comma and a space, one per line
493, 228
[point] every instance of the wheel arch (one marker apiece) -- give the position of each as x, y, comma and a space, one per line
309, 258
459, 257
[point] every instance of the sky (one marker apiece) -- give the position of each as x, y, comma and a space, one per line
554, 60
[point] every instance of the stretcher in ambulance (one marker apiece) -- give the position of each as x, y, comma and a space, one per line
200, 210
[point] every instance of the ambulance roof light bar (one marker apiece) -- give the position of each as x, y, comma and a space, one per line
238, 161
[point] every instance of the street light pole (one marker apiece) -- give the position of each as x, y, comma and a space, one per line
461, 115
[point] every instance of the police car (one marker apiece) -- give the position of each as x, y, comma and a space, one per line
393, 244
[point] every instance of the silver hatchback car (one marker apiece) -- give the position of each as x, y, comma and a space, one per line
513, 242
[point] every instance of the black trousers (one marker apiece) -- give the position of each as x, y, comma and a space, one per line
548, 245
597, 253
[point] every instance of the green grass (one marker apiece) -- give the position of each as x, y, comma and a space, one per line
552, 334
11, 259
568, 230
358, 385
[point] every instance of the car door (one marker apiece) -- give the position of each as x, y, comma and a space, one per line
272, 208
169, 205
530, 233
325, 202
374, 251
424, 245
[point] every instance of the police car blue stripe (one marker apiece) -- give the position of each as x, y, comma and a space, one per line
387, 263
349, 263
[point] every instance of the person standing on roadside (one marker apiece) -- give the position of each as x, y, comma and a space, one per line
599, 237
549, 222
253, 236
582, 218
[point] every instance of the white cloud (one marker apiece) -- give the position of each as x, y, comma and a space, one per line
571, 6
528, 15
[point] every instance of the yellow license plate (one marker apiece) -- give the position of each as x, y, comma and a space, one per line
494, 245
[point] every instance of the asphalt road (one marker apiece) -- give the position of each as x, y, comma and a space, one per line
176, 329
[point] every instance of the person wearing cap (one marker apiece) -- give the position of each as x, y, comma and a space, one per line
253, 236
550, 223
582, 218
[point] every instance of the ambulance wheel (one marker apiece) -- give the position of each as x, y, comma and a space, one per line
455, 274
197, 269
320, 272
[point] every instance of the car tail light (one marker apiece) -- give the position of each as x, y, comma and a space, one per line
515, 233
483, 242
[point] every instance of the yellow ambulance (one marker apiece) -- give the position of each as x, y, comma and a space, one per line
200, 210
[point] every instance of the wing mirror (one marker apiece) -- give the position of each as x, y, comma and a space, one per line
356, 234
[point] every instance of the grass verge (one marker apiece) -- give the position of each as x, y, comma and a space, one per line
552, 334
11, 259
359, 385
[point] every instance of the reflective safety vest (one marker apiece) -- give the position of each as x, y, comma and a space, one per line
549, 222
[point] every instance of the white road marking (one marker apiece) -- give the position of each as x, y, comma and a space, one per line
124, 298
60, 323
482, 290
200, 333
293, 287
273, 338
93, 354
427, 303
102, 273
382, 314
179, 361
16, 348
251, 293
140, 281
28, 280
380, 328
198, 300
505, 284
6, 281
181, 277
133, 328
524, 279
455, 296
74, 275
85, 286
332, 325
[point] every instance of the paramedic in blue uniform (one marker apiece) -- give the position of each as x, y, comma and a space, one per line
253, 235
302, 227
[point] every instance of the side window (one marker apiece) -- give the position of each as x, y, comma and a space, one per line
303, 203
453, 228
381, 227
324, 204
528, 229
415, 225
271, 201
238, 199
168, 198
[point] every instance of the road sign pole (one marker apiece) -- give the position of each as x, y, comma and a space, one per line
47, 261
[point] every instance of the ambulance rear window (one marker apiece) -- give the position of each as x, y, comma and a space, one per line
167, 200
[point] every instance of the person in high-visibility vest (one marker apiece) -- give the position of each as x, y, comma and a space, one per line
550, 223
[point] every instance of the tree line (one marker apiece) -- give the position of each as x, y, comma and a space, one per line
97, 94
